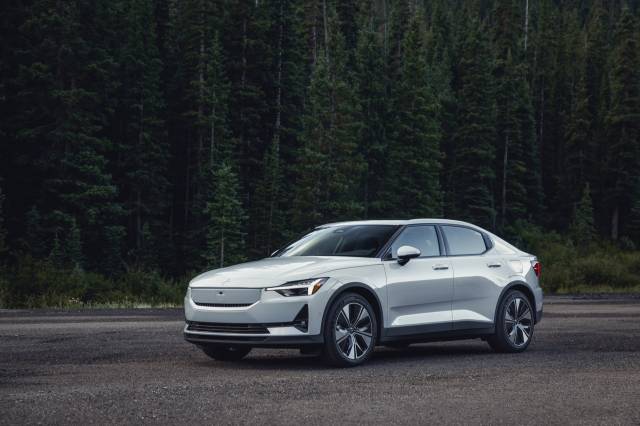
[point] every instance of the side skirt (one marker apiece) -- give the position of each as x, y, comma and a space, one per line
436, 332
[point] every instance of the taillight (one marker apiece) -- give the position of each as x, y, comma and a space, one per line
537, 268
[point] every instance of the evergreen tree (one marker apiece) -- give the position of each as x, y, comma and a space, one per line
412, 187
509, 140
515, 125
596, 58
582, 230
560, 92
577, 141
35, 235
225, 236
269, 201
251, 75
69, 86
442, 39
475, 136
622, 124
73, 247
528, 155
56, 256
3, 231
135, 117
67, 247
330, 168
204, 128
371, 86
144, 137
633, 228
272, 199
544, 67
597, 52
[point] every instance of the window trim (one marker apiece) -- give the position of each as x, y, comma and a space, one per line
488, 244
387, 255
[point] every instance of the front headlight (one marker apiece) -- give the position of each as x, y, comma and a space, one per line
299, 288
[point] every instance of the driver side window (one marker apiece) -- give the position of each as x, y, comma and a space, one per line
423, 237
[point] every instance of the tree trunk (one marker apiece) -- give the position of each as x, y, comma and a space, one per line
615, 217
326, 28
526, 24
212, 142
138, 190
505, 161
222, 247
187, 186
201, 61
243, 79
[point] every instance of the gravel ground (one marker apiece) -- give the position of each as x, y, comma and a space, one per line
132, 366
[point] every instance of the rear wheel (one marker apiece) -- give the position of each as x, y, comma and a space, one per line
514, 324
226, 353
350, 331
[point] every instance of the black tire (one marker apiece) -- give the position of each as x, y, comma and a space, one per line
336, 345
226, 353
514, 324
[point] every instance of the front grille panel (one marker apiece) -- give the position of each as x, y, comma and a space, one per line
223, 305
210, 327
205, 296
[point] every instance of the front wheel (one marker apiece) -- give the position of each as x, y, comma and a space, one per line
350, 331
514, 324
226, 353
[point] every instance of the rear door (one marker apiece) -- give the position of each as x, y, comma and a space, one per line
420, 292
479, 274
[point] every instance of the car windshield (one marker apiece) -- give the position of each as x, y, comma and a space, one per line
352, 241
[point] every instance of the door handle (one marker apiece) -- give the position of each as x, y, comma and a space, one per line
440, 267
494, 265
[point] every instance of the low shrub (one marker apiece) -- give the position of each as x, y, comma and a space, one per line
35, 283
595, 267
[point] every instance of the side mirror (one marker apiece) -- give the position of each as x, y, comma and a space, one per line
406, 253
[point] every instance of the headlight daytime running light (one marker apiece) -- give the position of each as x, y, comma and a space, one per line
299, 288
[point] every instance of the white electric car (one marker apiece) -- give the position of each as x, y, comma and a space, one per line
346, 287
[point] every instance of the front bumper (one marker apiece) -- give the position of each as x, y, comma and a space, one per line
265, 341
271, 321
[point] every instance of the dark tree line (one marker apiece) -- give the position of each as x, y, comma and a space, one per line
181, 135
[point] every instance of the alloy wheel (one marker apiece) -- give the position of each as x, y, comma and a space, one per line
353, 332
518, 319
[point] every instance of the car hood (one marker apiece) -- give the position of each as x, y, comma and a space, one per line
277, 270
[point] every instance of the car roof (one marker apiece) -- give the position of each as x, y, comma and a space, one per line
399, 222
402, 222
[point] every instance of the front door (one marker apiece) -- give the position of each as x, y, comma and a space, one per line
420, 292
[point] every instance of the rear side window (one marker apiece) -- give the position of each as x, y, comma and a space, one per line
422, 237
464, 241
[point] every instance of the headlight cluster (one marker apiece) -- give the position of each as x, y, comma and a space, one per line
300, 288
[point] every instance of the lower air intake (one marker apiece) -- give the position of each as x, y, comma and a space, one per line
210, 327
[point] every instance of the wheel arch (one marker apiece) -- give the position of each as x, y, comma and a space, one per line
524, 288
363, 290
